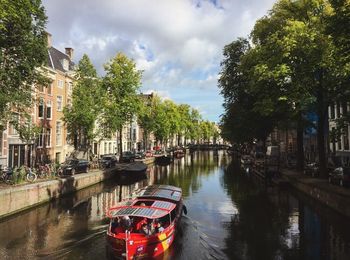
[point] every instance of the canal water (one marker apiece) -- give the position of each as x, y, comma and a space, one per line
230, 216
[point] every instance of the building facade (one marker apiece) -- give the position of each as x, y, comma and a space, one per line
339, 146
47, 113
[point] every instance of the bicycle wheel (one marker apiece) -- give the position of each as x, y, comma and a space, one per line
31, 177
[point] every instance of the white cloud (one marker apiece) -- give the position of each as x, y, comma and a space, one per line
177, 44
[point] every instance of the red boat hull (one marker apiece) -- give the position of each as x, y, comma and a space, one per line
139, 245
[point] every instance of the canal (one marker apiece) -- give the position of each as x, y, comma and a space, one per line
230, 216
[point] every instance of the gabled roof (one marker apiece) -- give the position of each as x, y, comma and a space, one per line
56, 58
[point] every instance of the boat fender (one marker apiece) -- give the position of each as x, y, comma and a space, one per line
184, 209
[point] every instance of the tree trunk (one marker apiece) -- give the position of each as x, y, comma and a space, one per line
145, 141
300, 143
120, 143
322, 119
75, 142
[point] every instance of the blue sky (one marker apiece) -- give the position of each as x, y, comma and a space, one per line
177, 43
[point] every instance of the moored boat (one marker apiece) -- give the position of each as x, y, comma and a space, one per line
130, 168
144, 227
163, 160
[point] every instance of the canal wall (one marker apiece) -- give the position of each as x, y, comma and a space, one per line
16, 199
333, 196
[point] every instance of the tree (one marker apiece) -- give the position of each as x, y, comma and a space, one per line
120, 102
194, 130
185, 122
147, 116
162, 122
244, 119
23, 49
80, 118
173, 118
306, 53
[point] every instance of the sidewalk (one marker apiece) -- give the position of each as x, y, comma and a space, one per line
334, 196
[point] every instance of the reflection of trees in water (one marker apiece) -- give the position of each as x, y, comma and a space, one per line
188, 171
256, 233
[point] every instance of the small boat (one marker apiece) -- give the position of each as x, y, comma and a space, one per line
129, 168
144, 226
163, 160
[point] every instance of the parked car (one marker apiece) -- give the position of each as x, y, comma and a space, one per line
140, 155
127, 156
73, 166
108, 161
340, 175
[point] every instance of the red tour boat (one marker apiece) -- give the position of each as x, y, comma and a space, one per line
144, 227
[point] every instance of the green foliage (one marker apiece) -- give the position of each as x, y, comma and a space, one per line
120, 101
26, 129
23, 49
81, 116
292, 69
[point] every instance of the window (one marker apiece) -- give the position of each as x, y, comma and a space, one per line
40, 141
49, 89
339, 145
105, 148
41, 108
59, 103
60, 83
331, 112
58, 133
345, 108
346, 138
134, 134
70, 87
65, 64
110, 147
69, 102
48, 137
338, 110
1, 140
48, 110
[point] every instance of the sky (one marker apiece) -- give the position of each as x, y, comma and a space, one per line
177, 43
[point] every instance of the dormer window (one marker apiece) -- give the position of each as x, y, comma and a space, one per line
65, 64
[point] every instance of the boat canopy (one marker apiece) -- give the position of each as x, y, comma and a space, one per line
160, 191
131, 208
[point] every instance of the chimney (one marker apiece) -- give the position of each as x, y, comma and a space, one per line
49, 39
69, 52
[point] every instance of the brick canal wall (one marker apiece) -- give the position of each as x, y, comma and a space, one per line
15, 199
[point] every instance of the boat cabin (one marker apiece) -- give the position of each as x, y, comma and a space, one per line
143, 216
162, 192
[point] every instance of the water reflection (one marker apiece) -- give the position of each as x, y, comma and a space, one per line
230, 216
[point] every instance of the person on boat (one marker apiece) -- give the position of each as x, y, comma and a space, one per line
115, 226
140, 224
145, 230
159, 227
125, 222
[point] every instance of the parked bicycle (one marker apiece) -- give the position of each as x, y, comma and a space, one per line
31, 176
44, 171
6, 175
